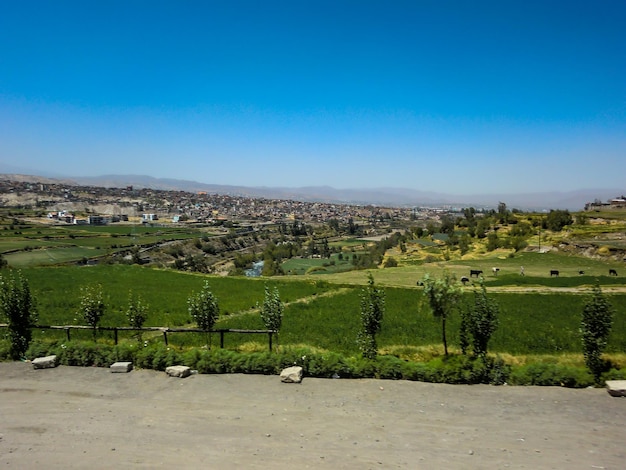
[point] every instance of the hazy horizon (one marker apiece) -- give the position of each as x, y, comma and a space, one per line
450, 97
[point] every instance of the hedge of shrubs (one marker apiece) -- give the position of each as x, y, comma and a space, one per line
454, 369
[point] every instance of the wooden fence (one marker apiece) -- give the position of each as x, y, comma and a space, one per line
164, 330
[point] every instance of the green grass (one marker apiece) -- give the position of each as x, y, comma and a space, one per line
299, 266
34, 245
50, 256
529, 323
57, 290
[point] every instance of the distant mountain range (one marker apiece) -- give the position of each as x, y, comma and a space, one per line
395, 197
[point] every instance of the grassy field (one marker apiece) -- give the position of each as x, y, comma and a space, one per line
38, 244
318, 314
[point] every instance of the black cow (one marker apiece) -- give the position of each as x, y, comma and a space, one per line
475, 272
612, 272
464, 280
554, 272
581, 272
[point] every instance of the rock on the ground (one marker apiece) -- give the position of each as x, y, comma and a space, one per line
291, 375
178, 371
121, 367
45, 362
616, 388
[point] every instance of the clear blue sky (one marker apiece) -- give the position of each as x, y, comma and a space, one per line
451, 96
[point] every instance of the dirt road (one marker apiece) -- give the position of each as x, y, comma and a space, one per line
71, 417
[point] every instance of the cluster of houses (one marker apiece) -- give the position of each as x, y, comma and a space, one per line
615, 203
69, 218
110, 205
102, 206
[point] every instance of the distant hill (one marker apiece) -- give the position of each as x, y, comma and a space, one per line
398, 197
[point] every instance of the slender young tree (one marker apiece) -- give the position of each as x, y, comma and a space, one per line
272, 310
482, 320
204, 310
595, 327
136, 313
443, 296
372, 311
92, 306
17, 305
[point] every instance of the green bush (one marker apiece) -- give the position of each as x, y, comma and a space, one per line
389, 367
80, 353
5, 350
218, 361
552, 375
157, 357
454, 369
614, 374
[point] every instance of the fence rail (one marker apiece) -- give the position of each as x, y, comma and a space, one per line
165, 330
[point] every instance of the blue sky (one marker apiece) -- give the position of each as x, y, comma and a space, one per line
450, 96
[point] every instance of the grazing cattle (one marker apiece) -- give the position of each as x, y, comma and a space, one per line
464, 280
554, 272
475, 272
581, 272
612, 272
495, 271
420, 283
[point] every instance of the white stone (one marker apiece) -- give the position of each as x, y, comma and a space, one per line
291, 375
121, 367
178, 371
616, 388
47, 362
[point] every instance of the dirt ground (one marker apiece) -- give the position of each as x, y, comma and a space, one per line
71, 417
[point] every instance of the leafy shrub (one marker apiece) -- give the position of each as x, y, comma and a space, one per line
157, 357
5, 349
260, 363
551, 374
614, 374
216, 362
389, 367
327, 365
362, 367
84, 354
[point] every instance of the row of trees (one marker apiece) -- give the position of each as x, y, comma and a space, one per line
479, 319
18, 308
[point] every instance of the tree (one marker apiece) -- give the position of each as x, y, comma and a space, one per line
204, 309
17, 305
372, 311
481, 320
272, 309
137, 312
92, 306
503, 213
492, 241
557, 219
595, 327
443, 295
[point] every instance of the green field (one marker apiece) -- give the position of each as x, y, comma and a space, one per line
37, 244
318, 314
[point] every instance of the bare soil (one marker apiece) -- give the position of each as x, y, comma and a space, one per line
71, 417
